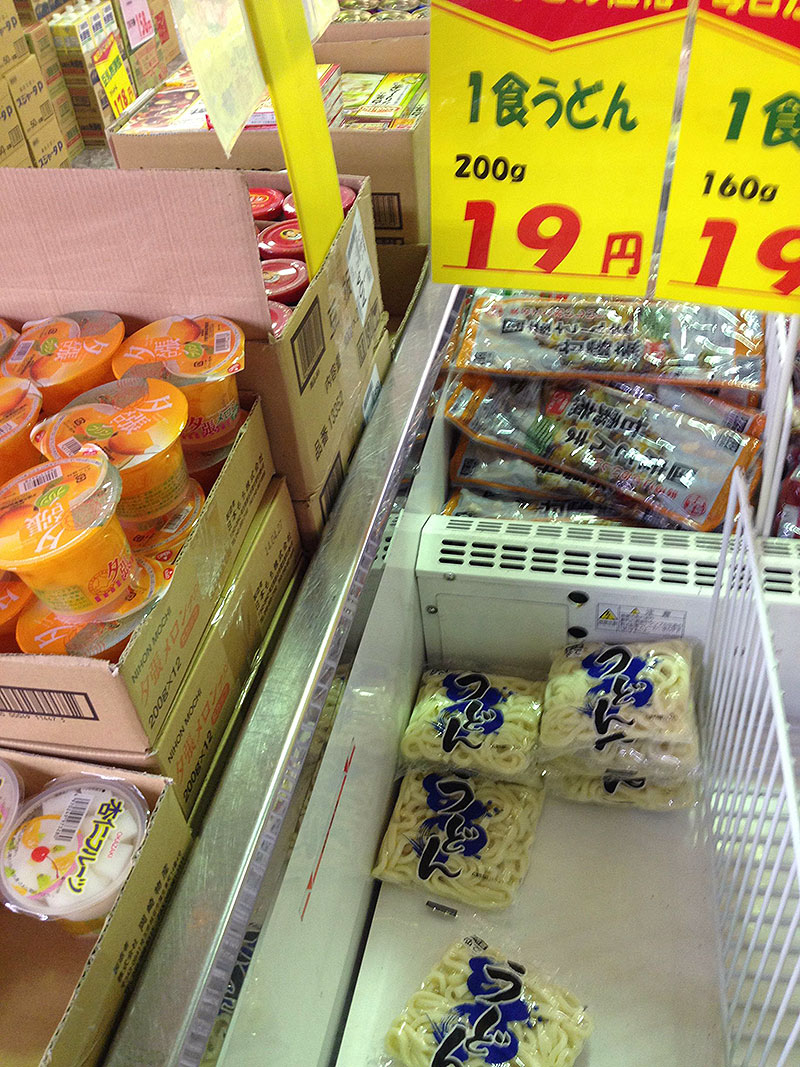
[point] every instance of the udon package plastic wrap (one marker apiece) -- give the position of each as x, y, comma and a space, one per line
70, 848
624, 708
60, 534
201, 356
66, 355
478, 466
478, 1007
623, 790
677, 466
610, 339
493, 505
474, 722
138, 424
460, 838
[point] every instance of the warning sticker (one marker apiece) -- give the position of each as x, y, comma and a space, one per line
633, 619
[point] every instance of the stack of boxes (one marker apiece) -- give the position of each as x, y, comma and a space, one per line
41, 45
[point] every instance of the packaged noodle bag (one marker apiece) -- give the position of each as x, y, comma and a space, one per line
468, 720
460, 838
623, 708
623, 790
493, 505
480, 466
477, 1007
674, 465
599, 338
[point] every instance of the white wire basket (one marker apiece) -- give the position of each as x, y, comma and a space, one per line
752, 811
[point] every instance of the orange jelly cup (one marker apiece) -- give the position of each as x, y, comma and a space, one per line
60, 535
138, 423
162, 540
66, 355
20, 404
14, 596
8, 337
200, 356
40, 631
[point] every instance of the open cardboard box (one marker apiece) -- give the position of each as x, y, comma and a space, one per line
376, 46
61, 993
403, 269
118, 710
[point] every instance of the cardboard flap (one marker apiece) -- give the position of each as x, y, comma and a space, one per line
144, 244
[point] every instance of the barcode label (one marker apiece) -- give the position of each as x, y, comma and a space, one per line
176, 521
387, 211
7, 427
222, 342
72, 818
15, 138
20, 352
71, 447
308, 345
46, 703
38, 480
729, 442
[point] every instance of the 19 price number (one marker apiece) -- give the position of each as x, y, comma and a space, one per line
772, 253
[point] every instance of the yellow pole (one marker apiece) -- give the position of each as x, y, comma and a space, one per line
287, 60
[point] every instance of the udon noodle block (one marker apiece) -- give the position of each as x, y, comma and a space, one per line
621, 708
474, 721
477, 1007
623, 790
460, 838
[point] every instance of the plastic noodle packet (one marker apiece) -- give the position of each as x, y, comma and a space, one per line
638, 340
598, 695
457, 334
475, 722
460, 838
480, 466
665, 761
713, 408
496, 506
478, 1007
623, 790
674, 465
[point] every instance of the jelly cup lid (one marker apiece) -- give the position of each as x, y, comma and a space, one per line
46, 509
8, 336
347, 194
50, 351
266, 203
71, 847
185, 351
281, 239
279, 315
20, 403
131, 420
14, 595
41, 631
11, 794
285, 280
167, 534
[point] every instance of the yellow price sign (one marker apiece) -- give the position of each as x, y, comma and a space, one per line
113, 76
732, 234
549, 133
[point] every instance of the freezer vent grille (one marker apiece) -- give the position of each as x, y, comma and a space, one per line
669, 557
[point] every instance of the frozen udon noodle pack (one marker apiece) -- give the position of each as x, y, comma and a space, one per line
621, 707
494, 505
623, 790
460, 838
475, 722
477, 1007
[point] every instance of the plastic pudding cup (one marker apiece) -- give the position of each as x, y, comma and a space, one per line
281, 240
285, 280
199, 356
20, 404
59, 534
138, 424
41, 632
164, 539
70, 849
14, 596
348, 199
266, 204
65, 356
11, 794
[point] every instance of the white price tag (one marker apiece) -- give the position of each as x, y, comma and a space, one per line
138, 21
359, 267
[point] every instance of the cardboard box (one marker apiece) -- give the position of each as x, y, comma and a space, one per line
403, 269
165, 28
377, 46
30, 95
148, 65
20, 157
220, 667
12, 37
48, 145
61, 994
31, 10
12, 139
40, 42
397, 162
313, 510
59, 702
